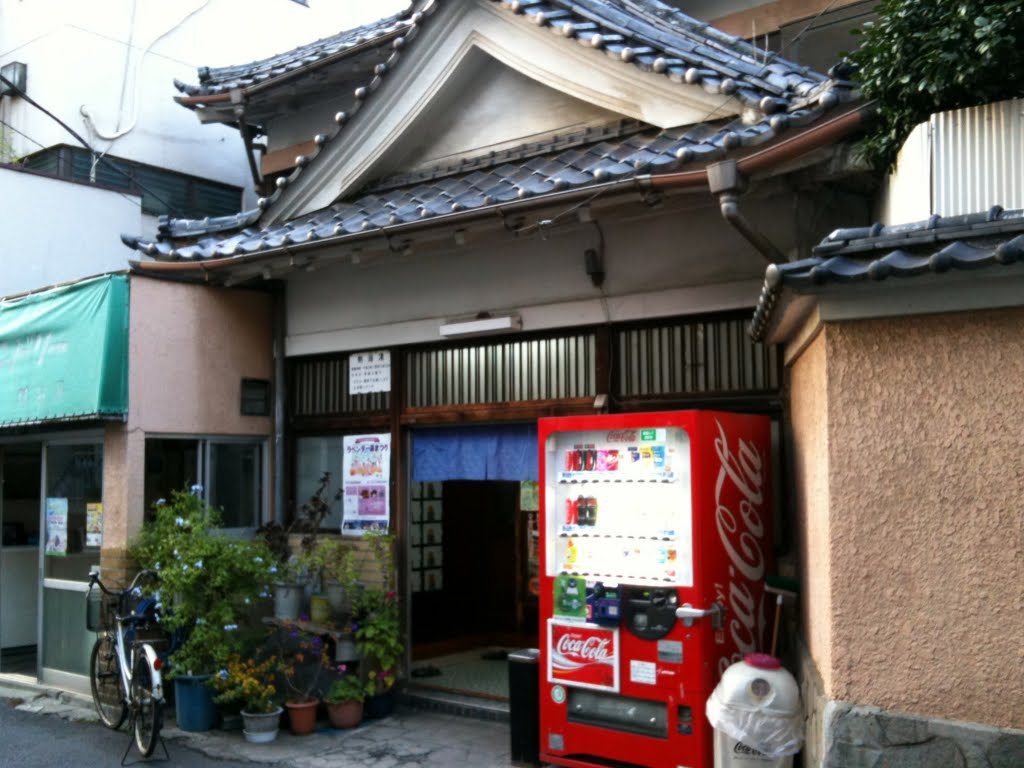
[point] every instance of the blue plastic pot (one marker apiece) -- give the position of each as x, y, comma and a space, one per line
194, 708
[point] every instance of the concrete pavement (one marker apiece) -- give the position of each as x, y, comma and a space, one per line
410, 738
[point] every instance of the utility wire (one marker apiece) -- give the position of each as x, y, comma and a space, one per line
84, 143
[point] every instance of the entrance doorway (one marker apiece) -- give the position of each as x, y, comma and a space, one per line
472, 555
20, 481
471, 602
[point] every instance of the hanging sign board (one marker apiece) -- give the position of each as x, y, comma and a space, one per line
56, 527
366, 473
369, 372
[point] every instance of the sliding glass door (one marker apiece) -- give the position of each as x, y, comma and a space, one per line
72, 512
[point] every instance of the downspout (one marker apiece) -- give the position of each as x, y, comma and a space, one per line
732, 173
279, 402
726, 181
238, 99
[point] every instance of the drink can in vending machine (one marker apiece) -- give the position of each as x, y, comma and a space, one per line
589, 459
571, 512
573, 460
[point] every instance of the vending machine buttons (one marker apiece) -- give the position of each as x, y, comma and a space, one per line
604, 605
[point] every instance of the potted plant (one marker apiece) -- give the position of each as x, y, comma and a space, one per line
335, 562
209, 582
304, 656
286, 572
292, 570
251, 684
344, 699
376, 620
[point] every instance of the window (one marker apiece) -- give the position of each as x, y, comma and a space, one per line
232, 473
313, 457
163, 192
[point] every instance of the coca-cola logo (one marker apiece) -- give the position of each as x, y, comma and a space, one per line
622, 436
742, 749
584, 648
741, 530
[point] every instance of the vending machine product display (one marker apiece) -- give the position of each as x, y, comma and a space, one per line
656, 535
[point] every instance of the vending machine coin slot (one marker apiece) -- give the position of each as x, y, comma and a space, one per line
649, 612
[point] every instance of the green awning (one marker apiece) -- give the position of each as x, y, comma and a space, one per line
64, 353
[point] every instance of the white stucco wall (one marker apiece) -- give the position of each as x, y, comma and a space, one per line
55, 231
119, 59
680, 258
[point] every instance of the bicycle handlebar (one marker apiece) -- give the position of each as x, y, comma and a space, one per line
94, 578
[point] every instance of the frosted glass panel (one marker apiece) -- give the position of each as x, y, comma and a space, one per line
66, 641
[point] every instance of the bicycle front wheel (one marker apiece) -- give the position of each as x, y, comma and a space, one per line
148, 710
105, 681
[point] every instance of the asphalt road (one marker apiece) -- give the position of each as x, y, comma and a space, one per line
29, 740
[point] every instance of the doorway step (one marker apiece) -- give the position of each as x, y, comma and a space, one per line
472, 683
433, 700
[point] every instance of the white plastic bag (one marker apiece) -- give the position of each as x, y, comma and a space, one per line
773, 735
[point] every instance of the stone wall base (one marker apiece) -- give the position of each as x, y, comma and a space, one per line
844, 735
870, 737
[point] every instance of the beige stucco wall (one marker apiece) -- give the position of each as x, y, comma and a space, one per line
924, 540
809, 425
189, 348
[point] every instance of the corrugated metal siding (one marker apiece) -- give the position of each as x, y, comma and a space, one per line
496, 372
320, 388
979, 158
695, 357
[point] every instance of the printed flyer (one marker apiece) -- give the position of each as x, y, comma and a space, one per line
366, 472
94, 524
57, 527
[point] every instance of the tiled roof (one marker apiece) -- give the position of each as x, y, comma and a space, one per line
647, 33
780, 95
217, 80
658, 38
874, 254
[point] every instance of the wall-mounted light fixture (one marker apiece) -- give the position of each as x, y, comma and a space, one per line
482, 326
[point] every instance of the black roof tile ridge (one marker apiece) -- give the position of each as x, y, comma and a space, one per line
593, 135
210, 77
361, 94
859, 264
879, 237
667, 28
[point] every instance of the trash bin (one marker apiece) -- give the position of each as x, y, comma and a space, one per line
755, 711
524, 706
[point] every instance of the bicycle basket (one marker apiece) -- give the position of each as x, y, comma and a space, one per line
99, 611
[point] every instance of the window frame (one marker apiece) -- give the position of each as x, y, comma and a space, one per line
204, 467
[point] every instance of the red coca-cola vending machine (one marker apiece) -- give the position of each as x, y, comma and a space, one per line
656, 535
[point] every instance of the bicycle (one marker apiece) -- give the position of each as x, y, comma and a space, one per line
124, 671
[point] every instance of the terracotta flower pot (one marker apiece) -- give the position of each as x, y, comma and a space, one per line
301, 717
345, 714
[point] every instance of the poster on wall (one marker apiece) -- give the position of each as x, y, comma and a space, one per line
94, 524
369, 372
56, 527
366, 472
